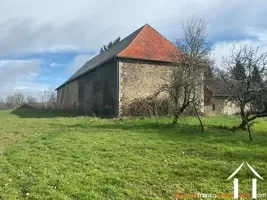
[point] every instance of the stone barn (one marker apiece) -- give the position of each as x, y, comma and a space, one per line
134, 68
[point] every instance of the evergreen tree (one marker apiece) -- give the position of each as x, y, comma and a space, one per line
256, 75
239, 72
110, 45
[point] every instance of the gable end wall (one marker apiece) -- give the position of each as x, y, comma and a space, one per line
140, 79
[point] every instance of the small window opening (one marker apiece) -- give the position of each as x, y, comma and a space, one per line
213, 107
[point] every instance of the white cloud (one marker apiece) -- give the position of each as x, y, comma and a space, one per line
54, 65
20, 76
86, 25
222, 49
78, 62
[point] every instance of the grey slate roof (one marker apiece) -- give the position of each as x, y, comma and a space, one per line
217, 88
103, 57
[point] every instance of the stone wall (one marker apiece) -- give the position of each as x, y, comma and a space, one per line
114, 85
218, 105
140, 79
221, 106
94, 92
67, 96
97, 90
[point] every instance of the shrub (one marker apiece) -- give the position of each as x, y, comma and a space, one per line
148, 107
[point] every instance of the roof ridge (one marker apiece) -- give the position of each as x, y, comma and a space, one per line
110, 49
139, 31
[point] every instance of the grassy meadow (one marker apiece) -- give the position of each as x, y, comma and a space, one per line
51, 155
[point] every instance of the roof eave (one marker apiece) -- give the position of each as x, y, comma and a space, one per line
146, 59
85, 73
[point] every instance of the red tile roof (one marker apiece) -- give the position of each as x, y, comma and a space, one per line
150, 45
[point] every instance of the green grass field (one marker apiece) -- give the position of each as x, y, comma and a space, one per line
44, 155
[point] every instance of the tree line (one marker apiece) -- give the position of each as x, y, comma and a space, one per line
19, 99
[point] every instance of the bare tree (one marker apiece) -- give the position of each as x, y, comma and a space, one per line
245, 80
31, 99
43, 98
52, 96
10, 100
186, 84
19, 98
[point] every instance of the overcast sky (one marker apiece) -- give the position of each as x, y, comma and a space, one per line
43, 42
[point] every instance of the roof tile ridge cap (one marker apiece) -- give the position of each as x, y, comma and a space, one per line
118, 55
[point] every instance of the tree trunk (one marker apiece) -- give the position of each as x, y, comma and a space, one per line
176, 117
243, 124
243, 117
178, 113
199, 119
249, 132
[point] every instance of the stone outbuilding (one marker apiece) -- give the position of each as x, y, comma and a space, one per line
216, 99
